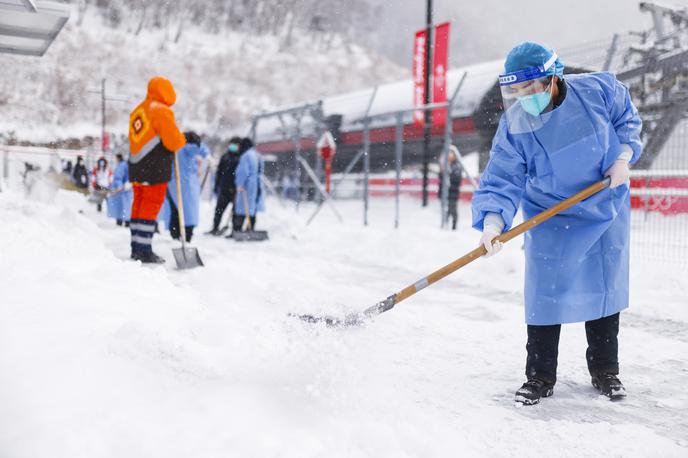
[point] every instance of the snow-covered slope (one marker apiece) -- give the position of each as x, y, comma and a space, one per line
220, 78
102, 357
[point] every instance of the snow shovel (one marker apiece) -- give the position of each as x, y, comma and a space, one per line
389, 303
249, 235
98, 197
186, 257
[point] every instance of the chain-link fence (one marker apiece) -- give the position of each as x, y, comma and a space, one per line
659, 197
659, 185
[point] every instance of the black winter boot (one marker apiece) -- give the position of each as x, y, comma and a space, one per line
147, 257
609, 385
152, 258
531, 392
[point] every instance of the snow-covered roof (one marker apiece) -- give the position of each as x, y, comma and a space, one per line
398, 96
28, 27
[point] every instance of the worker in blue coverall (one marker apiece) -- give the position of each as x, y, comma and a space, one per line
188, 157
557, 136
119, 202
247, 179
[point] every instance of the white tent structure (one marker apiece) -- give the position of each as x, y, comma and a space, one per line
28, 27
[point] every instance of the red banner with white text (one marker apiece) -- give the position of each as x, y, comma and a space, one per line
439, 73
419, 76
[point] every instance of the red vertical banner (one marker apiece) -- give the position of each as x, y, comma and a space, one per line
439, 73
419, 76
105, 142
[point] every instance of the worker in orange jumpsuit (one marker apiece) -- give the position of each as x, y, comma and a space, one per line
154, 138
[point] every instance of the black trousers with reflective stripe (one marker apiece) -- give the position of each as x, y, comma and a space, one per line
602, 354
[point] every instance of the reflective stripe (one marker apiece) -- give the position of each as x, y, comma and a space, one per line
142, 240
142, 227
145, 235
147, 148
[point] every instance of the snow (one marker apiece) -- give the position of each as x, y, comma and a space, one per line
104, 357
51, 97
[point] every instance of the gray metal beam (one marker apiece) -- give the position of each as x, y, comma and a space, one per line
298, 109
674, 62
660, 134
30, 5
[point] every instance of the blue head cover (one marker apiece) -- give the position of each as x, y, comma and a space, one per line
528, 55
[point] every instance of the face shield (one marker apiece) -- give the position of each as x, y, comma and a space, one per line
526, 94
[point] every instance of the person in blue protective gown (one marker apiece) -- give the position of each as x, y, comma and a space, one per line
249, 188
557, 136
121, 197
188, 157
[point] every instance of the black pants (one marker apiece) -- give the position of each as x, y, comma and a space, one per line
602, 354
176, 233
223, 200
453, 212
238, 222
175, 230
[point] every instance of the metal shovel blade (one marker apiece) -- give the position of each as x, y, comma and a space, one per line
250, 236
352, 319
187, 258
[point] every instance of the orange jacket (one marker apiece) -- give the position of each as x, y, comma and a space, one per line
154, 135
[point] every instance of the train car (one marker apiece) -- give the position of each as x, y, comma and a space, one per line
474, 119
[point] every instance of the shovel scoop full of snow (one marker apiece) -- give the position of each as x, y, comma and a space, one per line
389, 303
353, 319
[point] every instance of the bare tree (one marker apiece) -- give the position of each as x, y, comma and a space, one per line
142, 20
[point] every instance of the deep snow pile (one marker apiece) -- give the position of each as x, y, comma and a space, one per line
103, 357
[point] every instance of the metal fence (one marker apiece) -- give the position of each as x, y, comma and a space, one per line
659, 187
20, 165
659, 197
654, 64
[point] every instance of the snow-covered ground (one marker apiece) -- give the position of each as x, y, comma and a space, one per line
103, 357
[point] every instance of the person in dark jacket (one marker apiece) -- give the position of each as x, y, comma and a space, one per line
80, 174
225, 189
454, 185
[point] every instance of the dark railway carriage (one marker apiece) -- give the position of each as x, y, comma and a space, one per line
474, 118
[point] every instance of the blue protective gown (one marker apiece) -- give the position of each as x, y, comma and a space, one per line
190, 184
576, 262
247, 176
119, 205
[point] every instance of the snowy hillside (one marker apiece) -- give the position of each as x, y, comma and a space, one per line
220, 78
103, 357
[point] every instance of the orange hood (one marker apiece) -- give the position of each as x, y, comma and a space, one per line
161, 90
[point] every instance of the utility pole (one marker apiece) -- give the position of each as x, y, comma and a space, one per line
102, 115
428, 113
104, 98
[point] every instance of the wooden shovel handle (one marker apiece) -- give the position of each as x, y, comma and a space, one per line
180, 202
505, 237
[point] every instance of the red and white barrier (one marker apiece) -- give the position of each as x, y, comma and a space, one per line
664, 191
